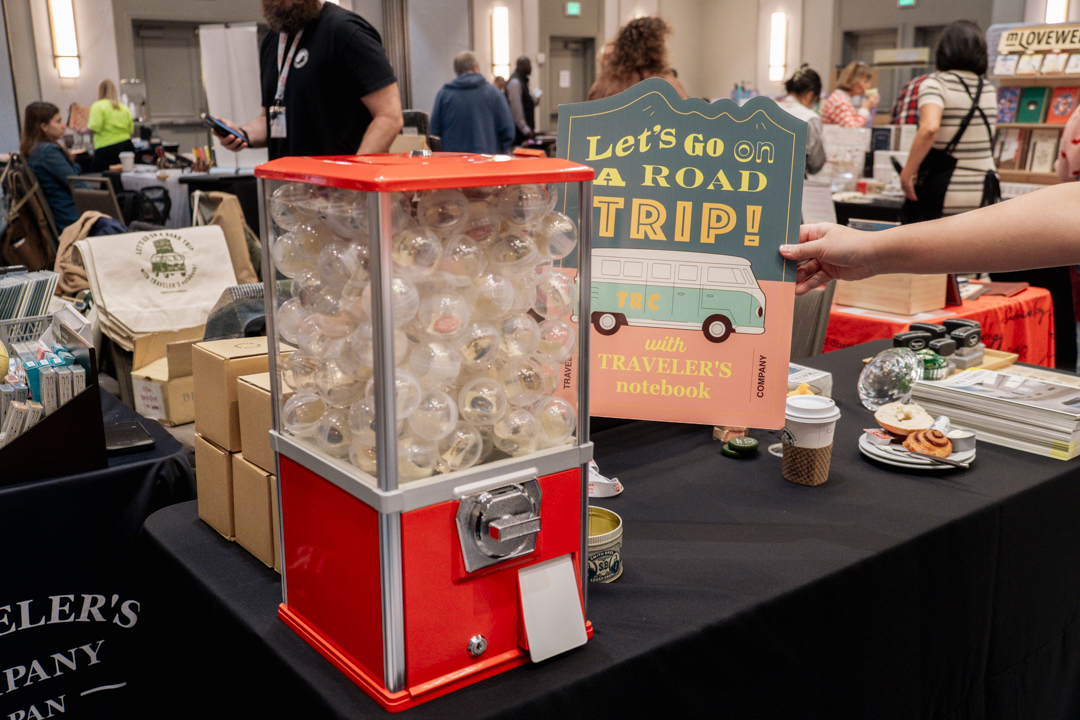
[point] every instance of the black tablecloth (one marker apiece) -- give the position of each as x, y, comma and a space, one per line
66, 576
880, 594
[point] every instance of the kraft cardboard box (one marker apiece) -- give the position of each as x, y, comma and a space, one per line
253, 394
164, 394
276, 515
149, 348
214, 482
254, 492
216, 365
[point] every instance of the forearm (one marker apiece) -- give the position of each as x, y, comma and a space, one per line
1035, 230
379, 135
920, 148
256, 132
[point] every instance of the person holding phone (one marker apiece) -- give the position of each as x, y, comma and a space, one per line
327, 86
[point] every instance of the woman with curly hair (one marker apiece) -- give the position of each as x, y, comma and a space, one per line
639, 52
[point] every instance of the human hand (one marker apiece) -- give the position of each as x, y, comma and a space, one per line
870, 101
907, 184
231, 142
830, 252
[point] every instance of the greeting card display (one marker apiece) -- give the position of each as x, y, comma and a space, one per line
430, 443
1007, 102
1063, 101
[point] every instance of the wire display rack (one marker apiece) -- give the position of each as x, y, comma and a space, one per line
24, 329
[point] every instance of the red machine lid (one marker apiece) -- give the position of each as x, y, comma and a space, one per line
396, 172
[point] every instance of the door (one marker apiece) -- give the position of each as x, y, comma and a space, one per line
570, 74
687, 306
167, 61
660, 293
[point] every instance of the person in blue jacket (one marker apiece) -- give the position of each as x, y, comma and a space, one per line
470, 114
43, 129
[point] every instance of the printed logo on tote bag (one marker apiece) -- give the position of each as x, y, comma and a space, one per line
168, 268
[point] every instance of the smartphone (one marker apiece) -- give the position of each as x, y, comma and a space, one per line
127, 437
221, 129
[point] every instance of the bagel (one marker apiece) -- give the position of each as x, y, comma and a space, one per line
929, 442
903, 419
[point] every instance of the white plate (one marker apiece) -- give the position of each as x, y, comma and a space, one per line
894, 452
911, 462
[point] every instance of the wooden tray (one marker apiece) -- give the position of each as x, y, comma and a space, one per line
996, 360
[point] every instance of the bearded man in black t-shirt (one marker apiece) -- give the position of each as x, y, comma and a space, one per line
335, 92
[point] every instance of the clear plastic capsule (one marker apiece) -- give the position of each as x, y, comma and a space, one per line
482, 401
434, 417
333, 434
557, 342
444, 211
461, 448
302, 413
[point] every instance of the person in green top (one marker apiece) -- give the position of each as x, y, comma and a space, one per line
112, 126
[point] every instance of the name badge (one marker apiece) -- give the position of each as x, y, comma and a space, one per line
277, 122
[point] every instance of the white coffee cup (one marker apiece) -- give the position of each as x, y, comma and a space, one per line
127, 161
809, 421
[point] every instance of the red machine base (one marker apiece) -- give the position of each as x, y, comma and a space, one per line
410, 697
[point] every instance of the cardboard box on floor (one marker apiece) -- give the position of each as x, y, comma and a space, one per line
165, 389
216, 365
149, 348
253, 395
254, 498
214, 483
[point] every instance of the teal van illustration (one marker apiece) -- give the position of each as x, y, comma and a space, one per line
717, 294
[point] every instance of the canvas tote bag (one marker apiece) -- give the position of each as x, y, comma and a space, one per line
158, 281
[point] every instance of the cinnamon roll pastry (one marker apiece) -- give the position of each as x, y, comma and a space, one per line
929, 442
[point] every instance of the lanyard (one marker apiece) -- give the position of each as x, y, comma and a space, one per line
283, 69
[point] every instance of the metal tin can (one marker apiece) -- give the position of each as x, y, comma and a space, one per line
605, 545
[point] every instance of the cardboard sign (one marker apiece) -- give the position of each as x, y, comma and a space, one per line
1039, 39
691, 301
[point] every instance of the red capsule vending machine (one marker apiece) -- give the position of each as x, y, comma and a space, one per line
432, 442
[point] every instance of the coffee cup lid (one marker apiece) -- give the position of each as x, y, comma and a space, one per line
811, 408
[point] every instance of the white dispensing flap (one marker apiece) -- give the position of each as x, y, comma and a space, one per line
551, 607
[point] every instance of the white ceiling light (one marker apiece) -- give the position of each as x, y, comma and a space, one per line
500, 41
777, 46
65, 41
1057, 11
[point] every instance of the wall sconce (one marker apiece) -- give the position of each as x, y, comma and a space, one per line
65, 42
500, 41
777, 46
1057, 11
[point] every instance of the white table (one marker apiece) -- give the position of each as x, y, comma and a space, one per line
148, 176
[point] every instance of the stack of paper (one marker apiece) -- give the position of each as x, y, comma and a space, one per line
26, 294
1025, 413
155, 282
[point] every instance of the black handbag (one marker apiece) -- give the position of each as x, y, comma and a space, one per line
936, 171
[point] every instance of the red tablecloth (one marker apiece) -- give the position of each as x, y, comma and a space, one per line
1022, 324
